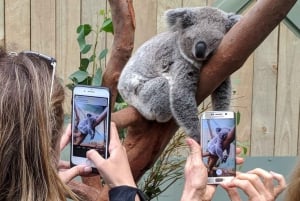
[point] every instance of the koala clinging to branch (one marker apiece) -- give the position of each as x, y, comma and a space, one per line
160, 79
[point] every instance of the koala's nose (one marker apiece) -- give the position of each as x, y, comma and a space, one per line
200, 50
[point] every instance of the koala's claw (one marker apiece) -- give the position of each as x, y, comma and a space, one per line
224, 159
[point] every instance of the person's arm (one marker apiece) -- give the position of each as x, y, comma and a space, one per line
116, 171
257, 184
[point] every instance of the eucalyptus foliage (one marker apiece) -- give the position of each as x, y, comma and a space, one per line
90, 69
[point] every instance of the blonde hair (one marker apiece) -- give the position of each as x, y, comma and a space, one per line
30, 130
292, 192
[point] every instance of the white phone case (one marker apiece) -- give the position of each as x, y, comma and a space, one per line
218, 144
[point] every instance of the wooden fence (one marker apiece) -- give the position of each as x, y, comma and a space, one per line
266, 88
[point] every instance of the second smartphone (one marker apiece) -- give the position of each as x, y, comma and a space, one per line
90, 123
218, 141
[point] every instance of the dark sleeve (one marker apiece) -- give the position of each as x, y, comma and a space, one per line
126, 193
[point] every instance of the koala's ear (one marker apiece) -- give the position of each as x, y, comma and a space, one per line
233, 18
179, 18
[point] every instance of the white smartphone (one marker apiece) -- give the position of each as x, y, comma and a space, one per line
218, 141
90, 123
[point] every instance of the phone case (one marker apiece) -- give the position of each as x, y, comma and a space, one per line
90, 125
219, 147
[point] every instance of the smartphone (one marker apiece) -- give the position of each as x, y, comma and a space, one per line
90, 123
218, 141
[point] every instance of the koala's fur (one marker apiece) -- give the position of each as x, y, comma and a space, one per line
215, 145
160, 79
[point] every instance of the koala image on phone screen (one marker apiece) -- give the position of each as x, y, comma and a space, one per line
86, 126
160, 80
215, 146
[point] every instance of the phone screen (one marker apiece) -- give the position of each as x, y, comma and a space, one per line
219, 147
90, 121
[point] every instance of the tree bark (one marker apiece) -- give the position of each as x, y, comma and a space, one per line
146, 140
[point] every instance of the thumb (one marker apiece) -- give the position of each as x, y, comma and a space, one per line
195, 151
95, 157
194, 147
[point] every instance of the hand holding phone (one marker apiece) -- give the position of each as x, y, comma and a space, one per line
218, 144
90, 123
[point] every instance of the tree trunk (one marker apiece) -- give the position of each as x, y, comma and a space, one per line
146, 140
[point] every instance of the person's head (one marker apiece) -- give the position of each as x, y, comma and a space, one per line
31, 121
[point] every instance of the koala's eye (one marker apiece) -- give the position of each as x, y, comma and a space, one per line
200, 50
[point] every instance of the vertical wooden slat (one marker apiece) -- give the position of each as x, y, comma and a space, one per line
194, 3
67, 50
1, 23
43, 26
17, 25
264, 97
241, 100
287, 115
90, 15
145, 16
162, 6
242, 81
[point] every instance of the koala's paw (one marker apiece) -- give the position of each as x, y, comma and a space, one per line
225, 159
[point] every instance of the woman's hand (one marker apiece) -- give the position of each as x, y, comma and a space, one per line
115, 170
65, 172
258, 185
196, 187
195, 173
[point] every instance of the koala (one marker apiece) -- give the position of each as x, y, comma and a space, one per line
160, 80
215, 147
86, 127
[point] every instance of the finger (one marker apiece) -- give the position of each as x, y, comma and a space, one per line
239, 160
114, 137
195, 151
65, 138
79, 170
231, 191
281, 183
210, 191
238, 150
244, 185
265, 176
260, 183
94, 156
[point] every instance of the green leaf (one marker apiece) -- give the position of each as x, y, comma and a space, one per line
97, 80
70, 86
102, 12
84, 29
85, 48
79, 75
103, 54
119, 98
84, 63
107, 25
92, 58
238, 118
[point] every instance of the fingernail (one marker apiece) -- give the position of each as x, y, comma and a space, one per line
87, 169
